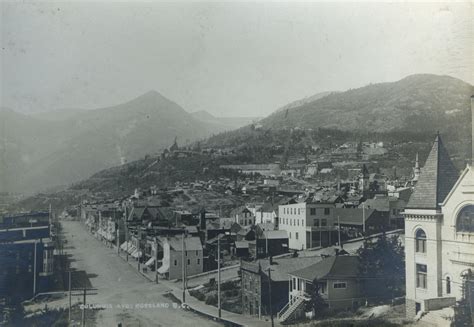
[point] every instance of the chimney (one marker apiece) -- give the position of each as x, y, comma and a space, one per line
472, 130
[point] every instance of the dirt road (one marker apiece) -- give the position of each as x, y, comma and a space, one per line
134, 301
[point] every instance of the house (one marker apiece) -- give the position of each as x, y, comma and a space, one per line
254, 279
267, 213
355, 221
241, 249
340, 283
271, 243
309, 223
173, 251
439, 234
243, 216
390, 205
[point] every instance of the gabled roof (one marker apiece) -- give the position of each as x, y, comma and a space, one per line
352, 216
437, 178
275, 234
191, 243
338, 267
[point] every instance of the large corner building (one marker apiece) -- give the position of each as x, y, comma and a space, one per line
439, 234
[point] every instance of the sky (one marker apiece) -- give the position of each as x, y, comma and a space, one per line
229, 58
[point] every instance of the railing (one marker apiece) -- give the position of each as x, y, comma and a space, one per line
282, 311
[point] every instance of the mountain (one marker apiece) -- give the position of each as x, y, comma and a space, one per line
304, 101
418, 102
46, 150
229, 122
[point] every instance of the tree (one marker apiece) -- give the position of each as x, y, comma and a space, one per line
384, 261
316, 304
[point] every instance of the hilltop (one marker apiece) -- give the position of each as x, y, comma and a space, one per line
60, 147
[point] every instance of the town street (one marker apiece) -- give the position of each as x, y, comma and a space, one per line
119, 284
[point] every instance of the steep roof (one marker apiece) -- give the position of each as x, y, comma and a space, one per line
437, 178
330, 268
281, 267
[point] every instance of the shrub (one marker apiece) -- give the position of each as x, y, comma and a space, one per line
226, 286
198, 295
211, 299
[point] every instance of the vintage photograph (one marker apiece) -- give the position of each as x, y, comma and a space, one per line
236, 163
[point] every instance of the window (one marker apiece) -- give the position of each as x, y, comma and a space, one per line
339, 285
312, 211
197, 253
186, 252
324, 222
298, 211
421, 272
327, 211
448, 285
294, 283
316, 222
296, 235
465, 220
199, 261
189, 261
176, 262
298, 222
290, 234
420, 241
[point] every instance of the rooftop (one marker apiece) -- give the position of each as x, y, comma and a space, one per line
337, 267
437, 178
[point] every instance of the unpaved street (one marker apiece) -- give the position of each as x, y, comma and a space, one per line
119, 284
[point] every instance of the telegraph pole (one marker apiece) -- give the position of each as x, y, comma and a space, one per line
156, 260
118, 238
339, 231
70, 302
182, 268
363, 217
126, 239
219, 275
270, 294
83, 318
34, 271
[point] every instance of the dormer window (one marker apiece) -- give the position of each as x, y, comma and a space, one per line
420, 239
465, 220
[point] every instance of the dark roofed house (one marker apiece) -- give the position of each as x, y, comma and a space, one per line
255, 299
271, 243
352, 220
436, 180
340, 283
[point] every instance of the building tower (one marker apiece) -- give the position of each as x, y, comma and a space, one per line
364, 179
416, 171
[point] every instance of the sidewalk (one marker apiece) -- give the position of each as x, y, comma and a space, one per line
229, 317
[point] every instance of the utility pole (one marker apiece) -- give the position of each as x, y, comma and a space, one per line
34, 271
126, 239
339, 231
182, 268
156, 260
363, 217
83, 319
219, 275
70, 302
49, 218
270, 294
118, 238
